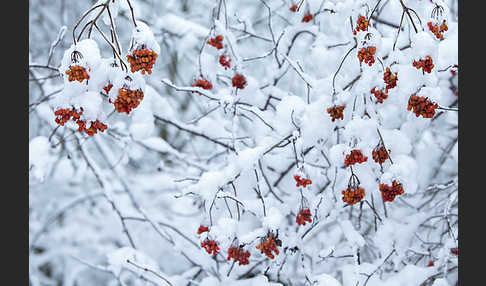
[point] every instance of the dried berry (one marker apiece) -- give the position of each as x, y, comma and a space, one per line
202, 83
422, 106
307, 18
355, 157
107, 88
202, 229
211, 246
78, 73
142, 59
301, 181
127, 100
239, 255
216, 42
336, 112
367, 55
303, 216
269, 245
426, 64
353, 195
239, 81
388, 193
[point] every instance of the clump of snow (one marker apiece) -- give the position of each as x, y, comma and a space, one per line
142, 36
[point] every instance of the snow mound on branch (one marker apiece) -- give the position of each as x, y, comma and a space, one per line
39, 157
326, 280
142, 35
117, 261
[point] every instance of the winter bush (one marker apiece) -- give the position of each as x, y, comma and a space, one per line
243, 142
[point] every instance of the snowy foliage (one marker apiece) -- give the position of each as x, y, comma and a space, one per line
164, 133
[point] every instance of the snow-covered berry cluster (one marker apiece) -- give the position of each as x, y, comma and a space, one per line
301, 181
425, 64
211, 246
238, 254
355, 157
388, 193
380, 154
362, 25
367, 54
437, 30
269, 245
353, 195
422, 106
303, 216
336, 112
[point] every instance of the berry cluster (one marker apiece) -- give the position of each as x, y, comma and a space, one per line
367, 55
438, 31
380, 155
353, 195
307, 18
225, 61
211, 246
78, 73
388, 193
363, 25
202, 83
422, 106
379, 94
216, 42
127, 100
202, 229
143, 59
269, 245
301, 181
294, 8
336, 112
390, 79
426, 64
355, 157
303, 216
239, 255
93, 129
63, 115
239, 81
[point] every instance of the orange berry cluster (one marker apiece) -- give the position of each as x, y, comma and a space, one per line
303, 216
202, 229
302, 182
422, 106
307, 18
355, 157
107, 88
390, 79
239, 81
388, 193
225, 61
353, 195
363, 25
336, 112
216, 42
202, 83
78, 73
211, 246
63, 115
294, 8
367, 55
143, 59
127, 100
268, 246
380, 155
93, 129
426, 64
379, 94
239, 255
430, 264
438, 31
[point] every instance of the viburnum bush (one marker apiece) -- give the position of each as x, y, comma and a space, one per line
249, 142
